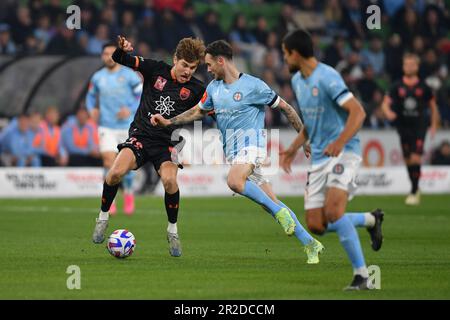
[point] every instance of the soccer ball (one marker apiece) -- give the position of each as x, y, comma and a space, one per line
121, 243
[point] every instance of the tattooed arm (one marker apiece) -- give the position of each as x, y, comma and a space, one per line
291, 115
190, 115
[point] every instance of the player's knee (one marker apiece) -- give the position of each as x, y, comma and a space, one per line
107, 163
415, 159
115, 175
235, 184
169, 183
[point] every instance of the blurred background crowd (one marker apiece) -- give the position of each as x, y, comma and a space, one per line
369, 60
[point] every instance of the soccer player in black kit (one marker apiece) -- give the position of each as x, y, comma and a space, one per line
169, 91
406, 106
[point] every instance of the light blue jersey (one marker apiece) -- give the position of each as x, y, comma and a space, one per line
320, 97
239, 109
114, 90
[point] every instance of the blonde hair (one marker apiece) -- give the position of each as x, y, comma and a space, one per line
410, 55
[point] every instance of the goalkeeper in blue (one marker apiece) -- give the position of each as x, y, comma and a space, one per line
238, 101
332, 117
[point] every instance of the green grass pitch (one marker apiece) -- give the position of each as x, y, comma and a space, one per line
232, 249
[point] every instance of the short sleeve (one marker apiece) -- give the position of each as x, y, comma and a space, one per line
392, 95
264, 95
206, 102
428, 94
336, 88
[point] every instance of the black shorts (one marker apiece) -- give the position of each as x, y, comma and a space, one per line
146, 150
412, 141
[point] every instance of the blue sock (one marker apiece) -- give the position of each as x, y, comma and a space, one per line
300, 232
350, 241
255, 193
128, 182
357, 219
36, 161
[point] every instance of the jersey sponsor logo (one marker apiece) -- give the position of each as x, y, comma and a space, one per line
184, 93
164, 105
160, 83
338, 168
237, 96
205, 96
410, 104
315, 91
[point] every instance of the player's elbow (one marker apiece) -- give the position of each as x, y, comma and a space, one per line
362, 115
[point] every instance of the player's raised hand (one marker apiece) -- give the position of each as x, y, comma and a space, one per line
333, 149
124, 44
159, 120
286, 159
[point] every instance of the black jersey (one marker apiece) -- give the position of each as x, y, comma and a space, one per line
410, 103
161, 94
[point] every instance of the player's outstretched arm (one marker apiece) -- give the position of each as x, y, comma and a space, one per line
291, 115
195, 113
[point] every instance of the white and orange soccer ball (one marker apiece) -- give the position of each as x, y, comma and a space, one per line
121, 243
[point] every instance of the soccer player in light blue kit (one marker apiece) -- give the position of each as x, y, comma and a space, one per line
118, 90
332, 118
239, 101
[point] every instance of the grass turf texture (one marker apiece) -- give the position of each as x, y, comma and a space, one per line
232, 249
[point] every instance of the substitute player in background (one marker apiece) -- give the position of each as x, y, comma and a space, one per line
332, 117
117, 89
239, 101
168, 90
406, 105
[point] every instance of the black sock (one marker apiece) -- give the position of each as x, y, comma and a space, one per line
172, 202
108, 195
414, 176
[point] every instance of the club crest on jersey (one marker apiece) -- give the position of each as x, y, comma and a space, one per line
338, 168
160, 83
237, 96
121, 79
184, 93
401, 92
418, 92
315, 91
